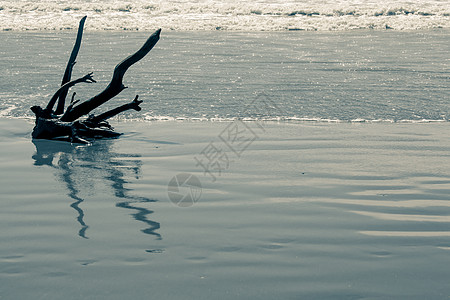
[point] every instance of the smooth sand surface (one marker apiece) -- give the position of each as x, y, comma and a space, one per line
312, 210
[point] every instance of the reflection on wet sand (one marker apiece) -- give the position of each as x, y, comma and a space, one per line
77, 166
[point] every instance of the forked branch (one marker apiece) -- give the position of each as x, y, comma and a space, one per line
116, 84
86, 78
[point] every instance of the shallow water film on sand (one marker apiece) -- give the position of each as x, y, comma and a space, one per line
309, 211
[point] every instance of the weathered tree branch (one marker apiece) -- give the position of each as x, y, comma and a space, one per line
68, 73
86, 78
51, 125
116, 85
113, 112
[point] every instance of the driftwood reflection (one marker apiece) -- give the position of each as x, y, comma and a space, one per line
78, 167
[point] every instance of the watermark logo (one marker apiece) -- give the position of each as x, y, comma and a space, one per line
184, 189
236, 138
216, 157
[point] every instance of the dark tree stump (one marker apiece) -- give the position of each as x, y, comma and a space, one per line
66, 125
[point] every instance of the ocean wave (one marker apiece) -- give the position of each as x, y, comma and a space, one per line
228, 15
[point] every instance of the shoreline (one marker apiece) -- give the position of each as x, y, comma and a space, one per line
272, 120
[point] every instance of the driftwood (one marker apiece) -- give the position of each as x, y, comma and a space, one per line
66, 125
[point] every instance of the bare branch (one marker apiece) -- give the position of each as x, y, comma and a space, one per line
68, 73
116, 85
113, 112
86, 78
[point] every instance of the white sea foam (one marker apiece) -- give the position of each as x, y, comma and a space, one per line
224, 15
7, 111
281, 119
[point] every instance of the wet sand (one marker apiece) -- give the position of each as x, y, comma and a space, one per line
286, 210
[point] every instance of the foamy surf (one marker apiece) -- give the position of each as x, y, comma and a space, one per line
228, 15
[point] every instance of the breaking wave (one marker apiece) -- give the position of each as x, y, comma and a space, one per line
224, 15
